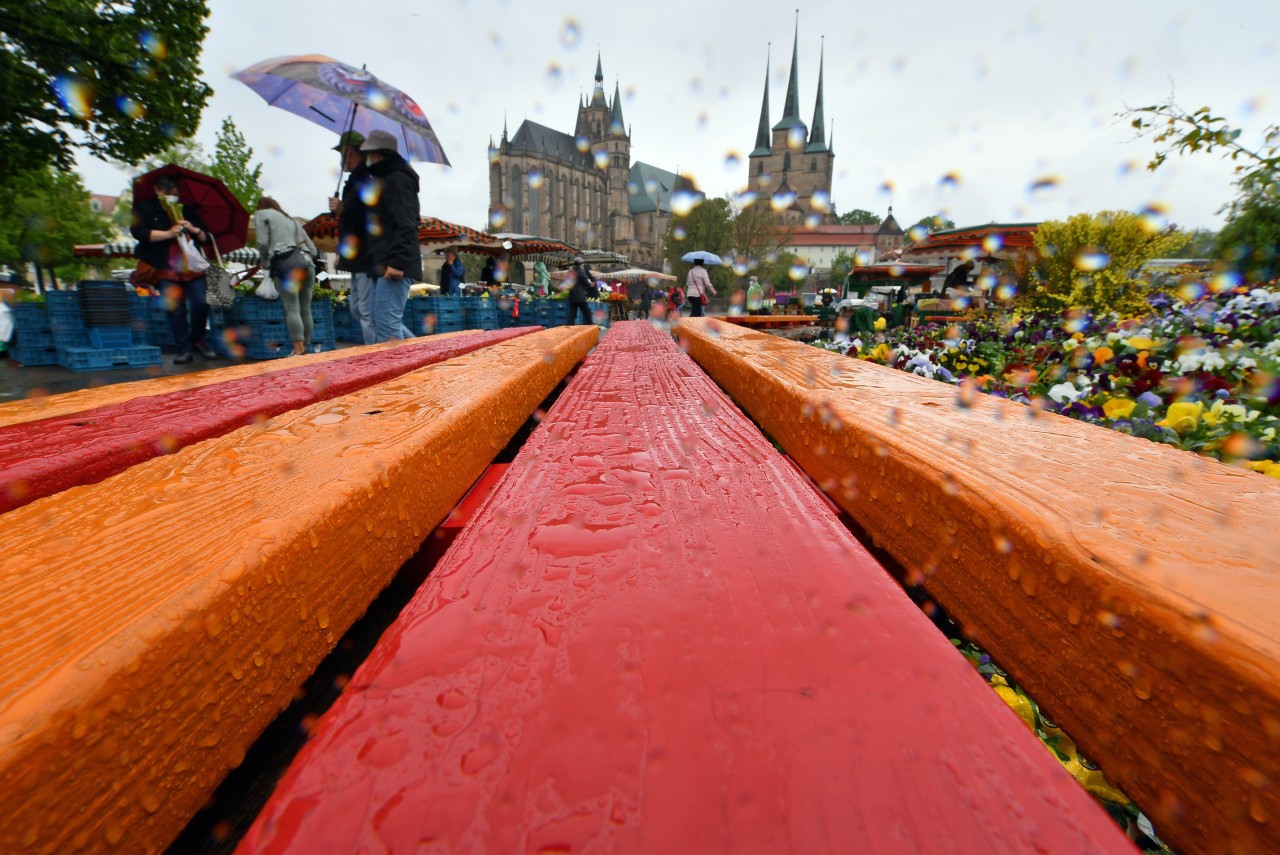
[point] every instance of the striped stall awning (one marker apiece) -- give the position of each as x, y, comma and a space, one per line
125, 249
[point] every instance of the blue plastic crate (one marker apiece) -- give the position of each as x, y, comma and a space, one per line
96, 359
34, 355
482, 318
30, 317
34, 338
62, 299
110, 338
600, 313
257, 309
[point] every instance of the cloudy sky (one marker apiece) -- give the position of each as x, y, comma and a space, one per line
1003, 112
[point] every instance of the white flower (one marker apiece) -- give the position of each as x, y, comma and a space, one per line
1064, 393
1070, 345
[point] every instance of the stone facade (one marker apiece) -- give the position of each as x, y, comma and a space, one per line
792, 164
582, 188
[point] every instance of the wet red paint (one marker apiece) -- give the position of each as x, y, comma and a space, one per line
655, 637
44, 457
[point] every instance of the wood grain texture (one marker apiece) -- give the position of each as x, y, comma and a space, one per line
50, 406
1133, 588
40, 458
655, 636
154, 623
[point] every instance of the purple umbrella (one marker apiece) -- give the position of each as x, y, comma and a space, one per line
341, 97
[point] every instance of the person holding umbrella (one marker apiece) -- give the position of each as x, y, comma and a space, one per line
353, 243
697, 286
167, 257
395, 259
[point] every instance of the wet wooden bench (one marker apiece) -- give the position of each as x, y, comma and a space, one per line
656, 636
156, 622
44, 456
1132, 588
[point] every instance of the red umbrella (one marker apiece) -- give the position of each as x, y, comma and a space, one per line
224, 217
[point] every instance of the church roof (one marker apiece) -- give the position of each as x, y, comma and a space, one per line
616, 126
889, 226
816, 141
650, 188
537, 139
763, 146
791, 107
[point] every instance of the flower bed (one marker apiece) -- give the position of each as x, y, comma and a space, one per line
1201, 371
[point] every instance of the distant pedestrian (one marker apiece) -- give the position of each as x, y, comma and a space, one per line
167, 235
755, 296
489, 273
646, 302
541, 279
289, 256
698, 288
353, 239
582, 290
395, 258
451, 274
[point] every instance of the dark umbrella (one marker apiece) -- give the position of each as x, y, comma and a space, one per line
341, 97
224, 217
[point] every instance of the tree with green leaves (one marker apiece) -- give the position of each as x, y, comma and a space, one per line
929, 225
859, 217
840, 267
758, 235
1250, 240
44, 213
1094, 261
708, 226
119, 80
231, 163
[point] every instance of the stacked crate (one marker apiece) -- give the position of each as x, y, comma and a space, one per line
344, 326
480, 313
33, 336
93, 328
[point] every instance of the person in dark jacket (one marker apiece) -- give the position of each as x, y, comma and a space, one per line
583, 288
489, 273
353, 242
162, 263
451, 274
395, 259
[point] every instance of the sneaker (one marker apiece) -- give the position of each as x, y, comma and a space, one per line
182, 358
203, 348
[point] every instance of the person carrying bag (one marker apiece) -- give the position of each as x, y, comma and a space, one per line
289, 257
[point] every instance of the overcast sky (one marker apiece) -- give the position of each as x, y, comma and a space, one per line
999, 95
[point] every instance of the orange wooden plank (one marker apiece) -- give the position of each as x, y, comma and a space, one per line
157, 621
1133, 588
655, 636
33, 409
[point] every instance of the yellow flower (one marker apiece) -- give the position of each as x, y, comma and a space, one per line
1267, 467
880, 353
1119, 408
880, 324
1183, 417
1141, 342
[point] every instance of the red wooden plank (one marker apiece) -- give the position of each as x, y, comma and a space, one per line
654, 637
44, 457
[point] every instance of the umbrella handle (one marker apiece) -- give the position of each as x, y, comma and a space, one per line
342, 167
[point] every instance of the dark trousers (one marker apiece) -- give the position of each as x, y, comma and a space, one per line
695, 306
574, 308
184, 295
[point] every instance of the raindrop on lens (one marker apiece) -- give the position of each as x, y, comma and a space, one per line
796, 138
732, 161
535, 179
799, 271
570, 34
1044, 184
554, 75
820, 201
782, 201
683, 202
950, 181
1090, 260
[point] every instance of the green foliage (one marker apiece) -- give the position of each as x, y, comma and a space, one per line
44, 212
1250, 239
708, 227
1201, 243
119, 80
1176, 131
859, 217
777, 273
758, 235
1092, 261
840, 268
231, 162
930, 224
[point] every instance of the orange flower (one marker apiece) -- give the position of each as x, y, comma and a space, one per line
1142, 358
1103, 354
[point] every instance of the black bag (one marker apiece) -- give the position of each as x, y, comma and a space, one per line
289, 259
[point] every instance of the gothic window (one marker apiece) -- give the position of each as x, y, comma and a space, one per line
760, 168
517, 200
813, 165
786, 161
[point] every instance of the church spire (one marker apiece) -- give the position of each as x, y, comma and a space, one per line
791, 107
762, 133
597, 96
616, 124
816, 141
